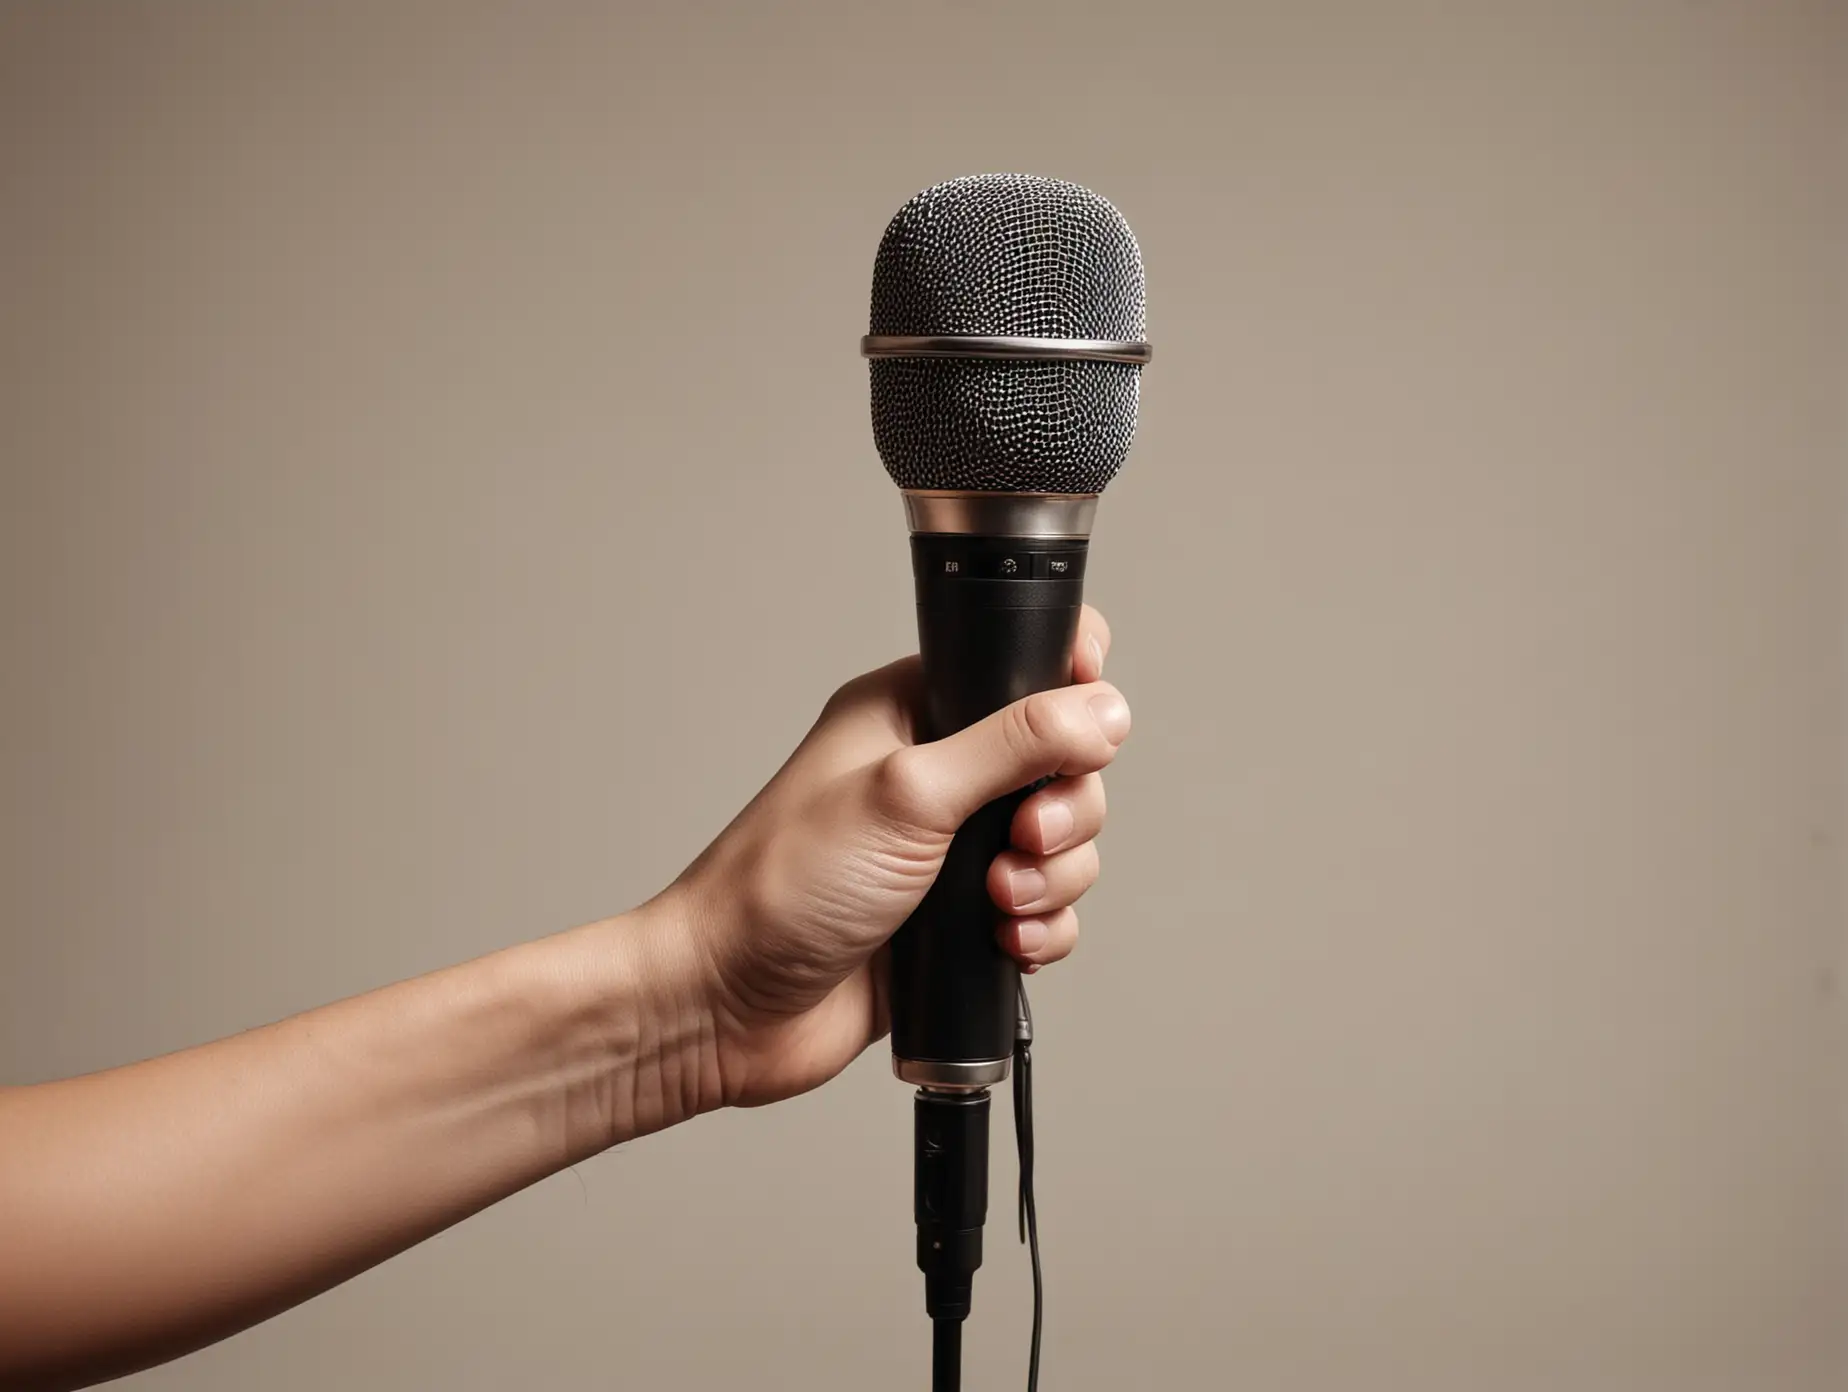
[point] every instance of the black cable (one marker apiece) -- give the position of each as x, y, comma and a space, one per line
1023, 1139
946, 1355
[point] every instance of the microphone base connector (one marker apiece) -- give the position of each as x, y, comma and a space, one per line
950, 1199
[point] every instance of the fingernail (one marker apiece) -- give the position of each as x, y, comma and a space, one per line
1031, 935
1097, 654
1111, 713
1055, 823
1030, 968
1025, 887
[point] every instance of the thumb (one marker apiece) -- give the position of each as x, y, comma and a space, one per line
1073, 730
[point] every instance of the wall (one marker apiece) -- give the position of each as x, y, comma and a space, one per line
438, 491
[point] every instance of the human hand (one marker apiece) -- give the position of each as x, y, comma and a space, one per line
792, 905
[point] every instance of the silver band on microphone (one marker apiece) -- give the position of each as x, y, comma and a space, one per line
1048, 516
951, 1077
1005, 346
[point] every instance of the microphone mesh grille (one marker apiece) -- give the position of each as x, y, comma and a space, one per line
1006, 254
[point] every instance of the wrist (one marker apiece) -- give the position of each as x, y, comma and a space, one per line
642, 984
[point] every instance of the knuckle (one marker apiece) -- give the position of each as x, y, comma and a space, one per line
997, 883
1017, 729
845, 696
901, 785
1042, 720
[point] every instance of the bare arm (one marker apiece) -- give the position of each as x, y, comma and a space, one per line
149, 1210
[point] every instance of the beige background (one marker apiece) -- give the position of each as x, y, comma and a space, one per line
438, 490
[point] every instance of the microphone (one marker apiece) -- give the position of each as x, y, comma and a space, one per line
1006, 342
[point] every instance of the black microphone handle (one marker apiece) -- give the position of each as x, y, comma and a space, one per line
997, 617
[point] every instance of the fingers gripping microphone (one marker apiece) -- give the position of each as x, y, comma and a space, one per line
1006, 343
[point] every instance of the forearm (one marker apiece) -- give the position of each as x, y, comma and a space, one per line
150, 1209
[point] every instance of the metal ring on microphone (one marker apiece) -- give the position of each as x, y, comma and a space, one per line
951, 1077
1002, 346
1042, 516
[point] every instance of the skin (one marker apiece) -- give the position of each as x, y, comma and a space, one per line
151, 1209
